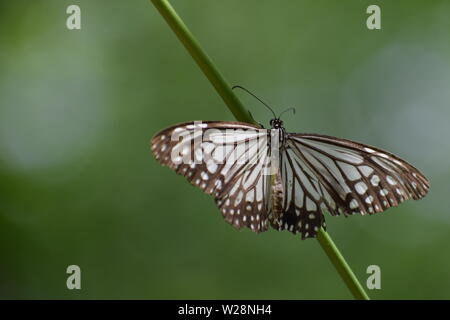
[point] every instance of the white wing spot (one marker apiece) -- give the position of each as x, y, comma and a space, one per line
231, 211
391, 180
369, 199
163, 147
353, 204
369, 150
370, 209
383, 192
312, 216
361, 187
204, 175
375, 180
212, 166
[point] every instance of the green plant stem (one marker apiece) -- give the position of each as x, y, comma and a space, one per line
203, 61
341, 265
238, 110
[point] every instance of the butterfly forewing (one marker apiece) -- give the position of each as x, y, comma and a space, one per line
360, 178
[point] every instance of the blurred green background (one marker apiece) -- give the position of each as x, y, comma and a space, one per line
78, 184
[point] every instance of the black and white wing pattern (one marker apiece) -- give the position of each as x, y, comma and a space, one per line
225, 160
314, 173
322, 173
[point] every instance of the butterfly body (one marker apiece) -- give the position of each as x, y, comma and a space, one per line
260, 177
277, 197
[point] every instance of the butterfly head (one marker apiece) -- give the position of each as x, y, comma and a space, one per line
276, 123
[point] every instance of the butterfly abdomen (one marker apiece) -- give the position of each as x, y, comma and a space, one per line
277, 195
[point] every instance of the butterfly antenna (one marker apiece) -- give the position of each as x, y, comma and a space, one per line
242, 88
289, 109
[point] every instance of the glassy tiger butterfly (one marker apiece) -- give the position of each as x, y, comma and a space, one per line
269, 177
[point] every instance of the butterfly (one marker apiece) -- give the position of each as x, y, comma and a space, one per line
270, 177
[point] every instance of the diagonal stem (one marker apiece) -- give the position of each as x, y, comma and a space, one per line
238, 110
341, 265
203, 61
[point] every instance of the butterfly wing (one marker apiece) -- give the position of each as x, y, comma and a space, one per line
322, 173
304, 197
225, 160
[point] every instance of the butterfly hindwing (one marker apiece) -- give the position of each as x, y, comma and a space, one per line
304, 198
